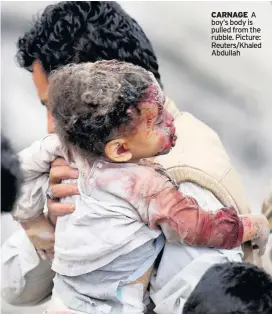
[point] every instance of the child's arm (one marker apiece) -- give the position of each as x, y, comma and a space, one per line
183, 220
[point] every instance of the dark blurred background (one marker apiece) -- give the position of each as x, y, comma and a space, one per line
231, 94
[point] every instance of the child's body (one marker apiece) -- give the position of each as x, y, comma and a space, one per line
110, 116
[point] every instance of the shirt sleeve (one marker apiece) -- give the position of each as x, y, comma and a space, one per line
182, 220
182, 266
26, 279
35, 164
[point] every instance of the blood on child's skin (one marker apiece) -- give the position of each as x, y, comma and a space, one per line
149, 120
248, 226
247, 222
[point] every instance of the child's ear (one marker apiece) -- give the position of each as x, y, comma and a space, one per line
117, 150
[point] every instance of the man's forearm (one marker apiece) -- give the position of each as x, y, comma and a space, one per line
26, 278
35, 165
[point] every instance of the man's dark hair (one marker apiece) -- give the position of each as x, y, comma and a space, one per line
81, 31
231, 288
10, 176
93, 103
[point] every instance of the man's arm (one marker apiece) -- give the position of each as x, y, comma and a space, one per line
26, 279
35, 164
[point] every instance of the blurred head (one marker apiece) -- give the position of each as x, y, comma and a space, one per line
112, 109
80, 31
10, 176
232, 288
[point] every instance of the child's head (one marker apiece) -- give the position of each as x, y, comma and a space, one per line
231, 288
112, 109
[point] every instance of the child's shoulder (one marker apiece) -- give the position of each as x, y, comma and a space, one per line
129, 179
141, 170
110, 171
46, 148
49, 142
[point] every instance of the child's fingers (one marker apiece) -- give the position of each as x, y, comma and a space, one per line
261, 245
261, 251
50, 255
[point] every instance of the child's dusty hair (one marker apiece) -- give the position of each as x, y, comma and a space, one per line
90, 101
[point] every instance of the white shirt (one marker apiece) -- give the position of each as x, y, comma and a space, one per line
182, 266
29, 279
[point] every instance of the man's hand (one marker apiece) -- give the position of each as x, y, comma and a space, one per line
42, 235
60, 170
40, 232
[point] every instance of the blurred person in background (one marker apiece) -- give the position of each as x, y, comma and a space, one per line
10, 176
90, 31
267, 211
231, 288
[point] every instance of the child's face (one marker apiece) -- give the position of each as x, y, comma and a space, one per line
150, 133
155, 131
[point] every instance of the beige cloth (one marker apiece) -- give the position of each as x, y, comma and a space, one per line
200, 157
267, 206
267, 211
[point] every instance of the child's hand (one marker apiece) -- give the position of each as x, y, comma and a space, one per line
262, 240
256, 230
42, 235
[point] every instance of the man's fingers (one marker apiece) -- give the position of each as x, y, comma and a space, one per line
42, 254
46, 254
61, 173
63, 190
59, 209
59, 162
